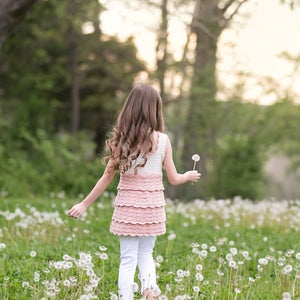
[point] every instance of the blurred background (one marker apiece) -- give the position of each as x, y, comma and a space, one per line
228, 72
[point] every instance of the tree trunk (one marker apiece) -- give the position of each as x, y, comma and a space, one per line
12, 12
202, 121
75, 90
161, 48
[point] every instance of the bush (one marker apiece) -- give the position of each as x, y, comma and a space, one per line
45, 165
238, 170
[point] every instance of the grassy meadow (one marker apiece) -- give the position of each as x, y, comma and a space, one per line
219, 249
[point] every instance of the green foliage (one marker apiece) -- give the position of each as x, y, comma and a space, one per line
237, 170
36, 73
50, 165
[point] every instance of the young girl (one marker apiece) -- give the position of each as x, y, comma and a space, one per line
138, 150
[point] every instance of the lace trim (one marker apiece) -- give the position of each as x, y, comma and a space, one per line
137, 229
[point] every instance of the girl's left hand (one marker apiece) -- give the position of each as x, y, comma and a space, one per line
77, 210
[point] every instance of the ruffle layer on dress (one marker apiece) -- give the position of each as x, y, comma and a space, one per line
141, 199
141, 182
137, 215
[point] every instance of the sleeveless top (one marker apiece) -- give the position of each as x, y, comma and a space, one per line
139, 207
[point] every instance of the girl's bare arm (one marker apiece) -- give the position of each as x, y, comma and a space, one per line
174, 177
77, 210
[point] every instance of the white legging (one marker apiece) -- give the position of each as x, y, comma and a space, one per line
136, 251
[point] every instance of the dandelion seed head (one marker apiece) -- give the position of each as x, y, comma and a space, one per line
287, 269
159, 259
204, 246
286, 296
32, 253
172, 236
203, 253
103, 256
199, 276
263, 261
212, 249
25, 284
232, 264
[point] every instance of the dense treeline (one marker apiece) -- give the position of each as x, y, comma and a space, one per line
62, 82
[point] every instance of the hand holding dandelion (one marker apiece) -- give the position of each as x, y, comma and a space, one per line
195, 158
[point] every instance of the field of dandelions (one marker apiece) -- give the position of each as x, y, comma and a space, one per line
217, 249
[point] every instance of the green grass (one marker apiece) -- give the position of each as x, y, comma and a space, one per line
212, 250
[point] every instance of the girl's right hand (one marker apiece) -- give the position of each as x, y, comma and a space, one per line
77, 210
192, 175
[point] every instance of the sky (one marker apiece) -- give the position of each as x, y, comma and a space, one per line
253, 44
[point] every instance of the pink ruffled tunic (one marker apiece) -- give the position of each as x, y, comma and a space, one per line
140, 203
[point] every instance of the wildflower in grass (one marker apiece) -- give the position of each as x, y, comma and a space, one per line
286, 296
212, 249
265, 238
204, 246
102, 248
67, 283
2, 246
159, 259
287, 269
203, 254
135, 287
180, 273
25, 284
233, 251
232, 264
66, 257
66, 265
195, 251
58, 265
229, 257
196, 289
220, 273
32, 253
289, 253
231, 243
84, 297
251, 279
36, 276
103, 256
50, 293
172, 236
199, 276
281, 261
199, 267
263, 261
113, 296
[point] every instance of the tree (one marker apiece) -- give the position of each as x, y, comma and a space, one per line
40, 56
11, 13
204, 116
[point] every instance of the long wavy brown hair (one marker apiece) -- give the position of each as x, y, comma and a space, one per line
140, 116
